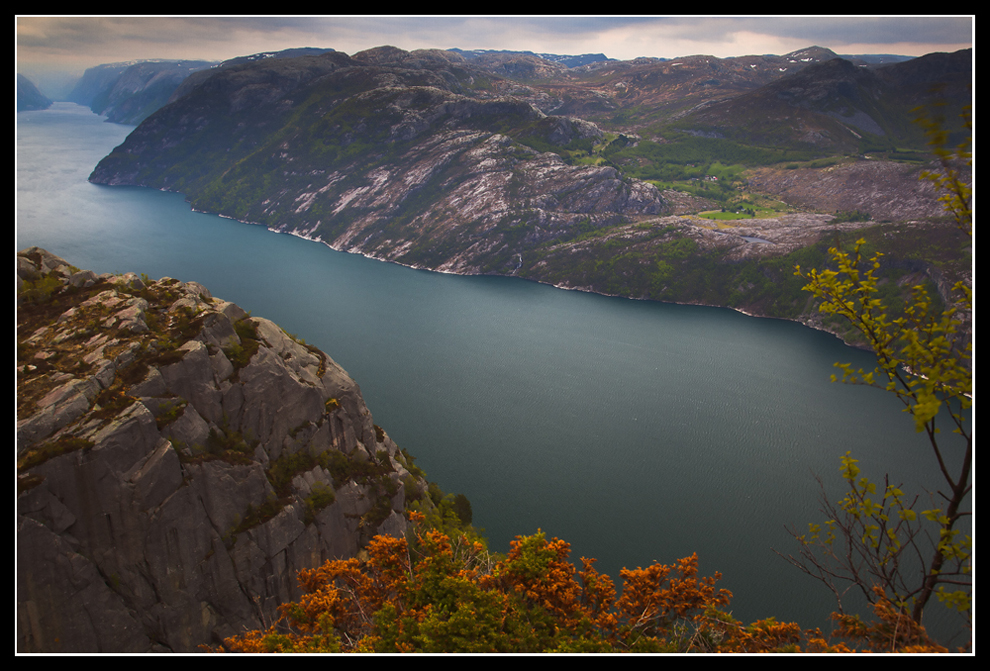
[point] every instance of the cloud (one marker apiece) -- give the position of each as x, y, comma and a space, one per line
81, 42
737, 36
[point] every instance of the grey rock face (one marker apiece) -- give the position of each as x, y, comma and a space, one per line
169, 450
391, 154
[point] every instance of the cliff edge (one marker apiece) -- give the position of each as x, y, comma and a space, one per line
178, 461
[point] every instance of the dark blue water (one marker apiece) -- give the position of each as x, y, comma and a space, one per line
635, 431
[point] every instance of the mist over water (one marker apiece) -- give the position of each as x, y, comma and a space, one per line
636, 431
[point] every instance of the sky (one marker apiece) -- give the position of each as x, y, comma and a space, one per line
48, 44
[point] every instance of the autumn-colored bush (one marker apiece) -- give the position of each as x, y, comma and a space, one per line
444, 594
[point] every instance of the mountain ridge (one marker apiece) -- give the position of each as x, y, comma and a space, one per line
368, 119
128, 92
425, 159
566, 60
876, 101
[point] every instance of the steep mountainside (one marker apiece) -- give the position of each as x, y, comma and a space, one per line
95, 81
29, 97
128, 93
178, 462
506, 163
835, 104
409, 157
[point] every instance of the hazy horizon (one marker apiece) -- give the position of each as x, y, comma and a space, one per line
50, 49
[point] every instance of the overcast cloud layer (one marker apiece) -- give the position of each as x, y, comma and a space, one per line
76, 43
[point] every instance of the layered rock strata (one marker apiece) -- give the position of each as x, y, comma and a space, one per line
178, 462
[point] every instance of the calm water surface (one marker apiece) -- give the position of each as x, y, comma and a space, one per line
635, 431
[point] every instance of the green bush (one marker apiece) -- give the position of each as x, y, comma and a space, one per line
320, 497
39, 291
50, 450
240, 354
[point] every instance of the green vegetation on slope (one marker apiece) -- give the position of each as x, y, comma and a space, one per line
665, 263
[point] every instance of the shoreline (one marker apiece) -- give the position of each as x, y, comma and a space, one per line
754, 315
308, 238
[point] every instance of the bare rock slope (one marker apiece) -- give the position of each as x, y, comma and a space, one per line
178, 462
412, 157
887, 189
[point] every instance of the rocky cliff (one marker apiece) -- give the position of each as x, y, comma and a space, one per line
588, 178
413, 157
128, 93
178, 461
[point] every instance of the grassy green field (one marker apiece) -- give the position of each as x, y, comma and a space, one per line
725, 215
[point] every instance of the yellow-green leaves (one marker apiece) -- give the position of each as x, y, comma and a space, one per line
957, 599
849, 468
919, 357
956, 195
923, 358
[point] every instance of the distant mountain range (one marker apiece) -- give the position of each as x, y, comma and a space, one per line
837, 103
572, 61
128, 93
509, 163
566, 61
